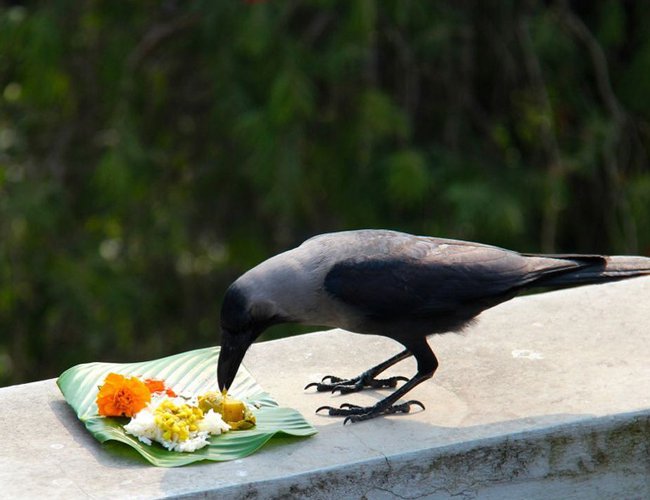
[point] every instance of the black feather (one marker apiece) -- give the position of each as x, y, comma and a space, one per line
395, 287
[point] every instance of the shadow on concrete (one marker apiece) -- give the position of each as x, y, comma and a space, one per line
110, 454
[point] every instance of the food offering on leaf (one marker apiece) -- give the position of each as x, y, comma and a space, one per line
176, 423
158, 414
236, 413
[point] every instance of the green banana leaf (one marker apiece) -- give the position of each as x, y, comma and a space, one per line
189, 373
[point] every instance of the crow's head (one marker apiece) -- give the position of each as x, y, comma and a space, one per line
243, 319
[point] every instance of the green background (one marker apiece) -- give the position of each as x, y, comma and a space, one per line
152, 151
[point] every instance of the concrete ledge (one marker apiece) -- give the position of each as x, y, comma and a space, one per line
546, 396
600, 458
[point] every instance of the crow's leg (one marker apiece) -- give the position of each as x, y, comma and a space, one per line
366, 379
427, 364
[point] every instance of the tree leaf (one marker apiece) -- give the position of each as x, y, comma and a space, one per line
189, 373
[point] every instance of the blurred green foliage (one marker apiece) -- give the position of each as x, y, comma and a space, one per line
151, 151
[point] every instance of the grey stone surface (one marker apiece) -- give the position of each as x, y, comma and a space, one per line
547, 396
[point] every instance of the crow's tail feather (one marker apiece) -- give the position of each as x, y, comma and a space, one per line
592, 269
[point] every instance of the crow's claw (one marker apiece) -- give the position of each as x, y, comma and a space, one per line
354, 413
404, 407
321, 387
346, 386
324, 386
346, 389
350, 405
342, 411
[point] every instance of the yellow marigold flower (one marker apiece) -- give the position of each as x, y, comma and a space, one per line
122, 396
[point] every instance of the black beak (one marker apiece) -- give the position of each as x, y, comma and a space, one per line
233, 348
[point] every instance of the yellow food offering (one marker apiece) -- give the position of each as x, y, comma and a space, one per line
176, 421
234, 412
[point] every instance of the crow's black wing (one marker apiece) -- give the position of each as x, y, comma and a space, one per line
433, 277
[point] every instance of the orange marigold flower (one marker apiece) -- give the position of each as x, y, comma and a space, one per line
121, 396
155, 385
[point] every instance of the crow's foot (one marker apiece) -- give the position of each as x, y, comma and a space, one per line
345, 386
354, 413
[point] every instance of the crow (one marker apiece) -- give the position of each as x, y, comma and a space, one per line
393, 284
